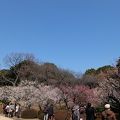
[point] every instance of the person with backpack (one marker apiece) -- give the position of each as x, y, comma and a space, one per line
107, 114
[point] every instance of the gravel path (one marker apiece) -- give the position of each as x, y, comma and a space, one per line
6, 118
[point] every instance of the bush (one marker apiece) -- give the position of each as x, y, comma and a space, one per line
40, 115
62, 115
29, 113
1, 108
99, 109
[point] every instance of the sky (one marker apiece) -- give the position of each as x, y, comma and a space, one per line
73, 34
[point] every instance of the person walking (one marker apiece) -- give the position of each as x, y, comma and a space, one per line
6, 110
17, 110
107, 114
45, 112
90, 112
50, 112
11, 109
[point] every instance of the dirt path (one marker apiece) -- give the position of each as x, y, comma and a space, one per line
6, 118
24, 119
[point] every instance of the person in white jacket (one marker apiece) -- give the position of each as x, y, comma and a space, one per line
76, 112
17, 110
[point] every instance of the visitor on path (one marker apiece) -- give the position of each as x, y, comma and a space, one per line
17, 110
90, 112
82, 112
6, 108
45, 112
75, 112
107, 114
11, 110
50, 112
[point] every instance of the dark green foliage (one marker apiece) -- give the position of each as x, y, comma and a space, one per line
99, 109
29, 114
6, 74
115, 103
104, 69
90, 71
118, 66
118, 63
5, 101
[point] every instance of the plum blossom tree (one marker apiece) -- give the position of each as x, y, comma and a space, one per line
80, 94
28, 93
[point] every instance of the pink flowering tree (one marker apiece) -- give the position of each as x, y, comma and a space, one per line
80, 94
28, 93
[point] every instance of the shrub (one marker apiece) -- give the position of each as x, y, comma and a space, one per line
99, 109
40, 115
29, 113
62, 115
1, 108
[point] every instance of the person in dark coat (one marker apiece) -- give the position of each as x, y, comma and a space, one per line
5, 111
50, 112
90, 112
46, 112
